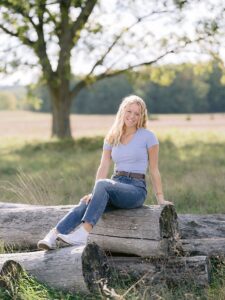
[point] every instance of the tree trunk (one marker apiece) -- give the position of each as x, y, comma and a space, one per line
172, 271
61, 105
146, 231
75, 269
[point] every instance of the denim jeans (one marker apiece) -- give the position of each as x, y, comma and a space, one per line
108, 194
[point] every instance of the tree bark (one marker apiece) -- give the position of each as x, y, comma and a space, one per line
61, 105
150, 231
137, 232
22, 227
146, 231
190, 225
204, 246
16, 205
201, 226
70, 268
172, 271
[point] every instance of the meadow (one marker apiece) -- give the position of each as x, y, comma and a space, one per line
38, 170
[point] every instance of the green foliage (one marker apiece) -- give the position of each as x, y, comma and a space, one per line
163, 76
185, 88
103, 97
58, 34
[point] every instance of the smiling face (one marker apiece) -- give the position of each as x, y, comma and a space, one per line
132, 115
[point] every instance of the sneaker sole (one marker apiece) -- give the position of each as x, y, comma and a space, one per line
43, 246
68, 243
62, 240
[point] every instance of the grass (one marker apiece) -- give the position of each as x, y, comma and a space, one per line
192, 165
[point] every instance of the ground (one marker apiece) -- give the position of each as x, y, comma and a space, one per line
38, 125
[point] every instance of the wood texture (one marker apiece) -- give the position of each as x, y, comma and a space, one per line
172, 271
190, 225
22, 227
206, 246
140, 247
145, 231
138, 231
69, 268
201, 226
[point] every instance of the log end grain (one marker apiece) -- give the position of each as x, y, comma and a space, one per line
95, 267
10, 273
169, 223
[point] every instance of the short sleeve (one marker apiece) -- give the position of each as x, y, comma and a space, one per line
151, 139
107, 146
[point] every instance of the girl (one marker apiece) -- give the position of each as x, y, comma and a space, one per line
132, 148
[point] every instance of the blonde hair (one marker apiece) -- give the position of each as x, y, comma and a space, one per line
116, 131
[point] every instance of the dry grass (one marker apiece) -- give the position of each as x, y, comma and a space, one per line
31, 125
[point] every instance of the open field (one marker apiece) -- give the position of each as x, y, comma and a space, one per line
31, 125
37, 170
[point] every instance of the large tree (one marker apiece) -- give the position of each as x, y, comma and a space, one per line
110, 36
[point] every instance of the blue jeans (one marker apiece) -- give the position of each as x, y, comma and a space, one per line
108, 194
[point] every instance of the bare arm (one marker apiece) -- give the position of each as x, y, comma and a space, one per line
155, 174
104, 165
102, 171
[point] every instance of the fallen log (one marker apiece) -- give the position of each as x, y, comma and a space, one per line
147, 231
190, 225
21, 227
171, 271
70, 268
210, 247
201, 226
128, 231
16, 205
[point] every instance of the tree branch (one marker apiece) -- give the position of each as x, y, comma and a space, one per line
89, 80
18, 9
82, 19
119, 36
41, 47
24, 39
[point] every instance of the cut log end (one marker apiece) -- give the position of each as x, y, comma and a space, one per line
95, 267
169, 223
10, 272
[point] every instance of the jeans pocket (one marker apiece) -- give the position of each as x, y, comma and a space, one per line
139, 183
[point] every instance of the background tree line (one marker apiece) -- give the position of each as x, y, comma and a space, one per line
183, 88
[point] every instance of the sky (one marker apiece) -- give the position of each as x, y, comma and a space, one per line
159, 27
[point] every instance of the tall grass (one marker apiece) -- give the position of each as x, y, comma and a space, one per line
192, 166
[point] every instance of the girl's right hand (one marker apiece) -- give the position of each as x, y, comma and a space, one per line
86, 198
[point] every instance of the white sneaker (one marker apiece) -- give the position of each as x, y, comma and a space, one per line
49, 241
76, 238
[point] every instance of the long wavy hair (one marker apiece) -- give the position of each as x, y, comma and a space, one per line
115, 133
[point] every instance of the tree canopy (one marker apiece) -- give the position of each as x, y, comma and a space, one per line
97, 39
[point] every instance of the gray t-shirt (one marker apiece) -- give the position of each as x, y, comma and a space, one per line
133, 157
